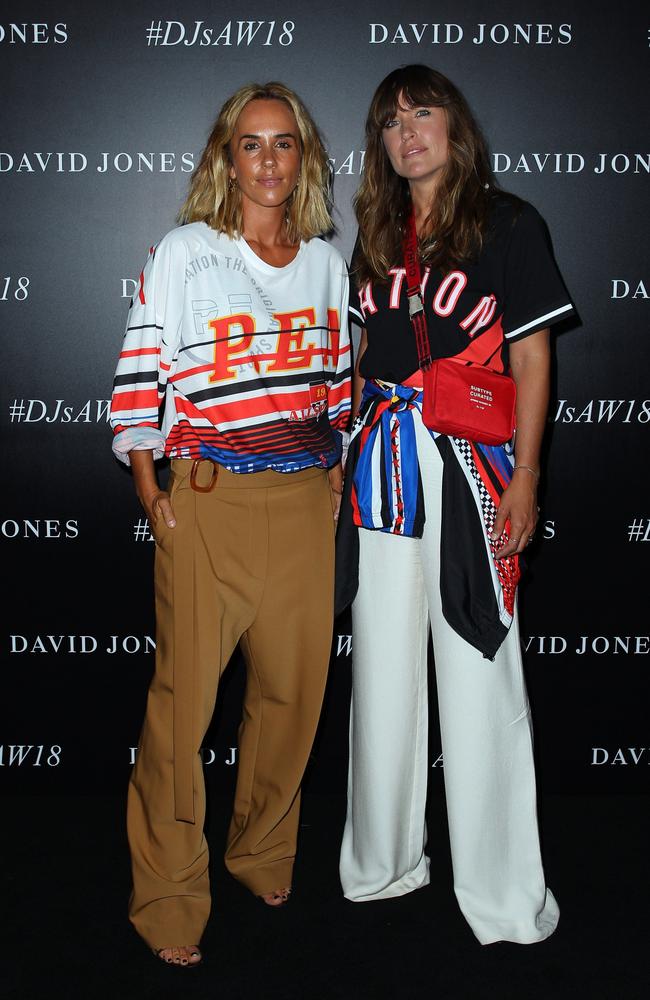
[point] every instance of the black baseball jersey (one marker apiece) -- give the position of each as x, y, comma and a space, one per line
474, 311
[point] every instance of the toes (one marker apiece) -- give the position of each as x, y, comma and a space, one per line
183, 955
276, 898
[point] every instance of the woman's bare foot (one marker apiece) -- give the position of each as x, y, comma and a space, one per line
276, 898
183, 955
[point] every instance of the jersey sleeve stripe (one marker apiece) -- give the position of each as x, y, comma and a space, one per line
137, 399
140, 352
133, 378
540, 320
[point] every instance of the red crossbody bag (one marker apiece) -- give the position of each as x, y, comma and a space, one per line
460, 399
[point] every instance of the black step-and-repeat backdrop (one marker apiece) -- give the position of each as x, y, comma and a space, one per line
105, 112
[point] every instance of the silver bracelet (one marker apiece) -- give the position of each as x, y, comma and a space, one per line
528, 469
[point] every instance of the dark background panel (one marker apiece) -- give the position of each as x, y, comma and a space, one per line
566, 119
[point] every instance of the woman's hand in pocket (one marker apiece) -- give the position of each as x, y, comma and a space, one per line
155, 501
336, 488
158, 507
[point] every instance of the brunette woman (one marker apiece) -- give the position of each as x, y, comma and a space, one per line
442, 517
234, 336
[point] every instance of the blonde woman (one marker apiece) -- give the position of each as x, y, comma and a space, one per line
235, 336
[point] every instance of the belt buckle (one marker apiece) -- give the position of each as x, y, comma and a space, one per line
215, 474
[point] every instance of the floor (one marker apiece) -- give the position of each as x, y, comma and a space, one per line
65, 885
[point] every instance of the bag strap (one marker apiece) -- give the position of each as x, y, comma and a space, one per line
413, 291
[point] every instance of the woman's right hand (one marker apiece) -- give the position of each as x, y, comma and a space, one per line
158, 505
155, 501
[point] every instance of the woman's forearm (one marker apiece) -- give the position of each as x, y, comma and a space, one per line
358, 381
530, 364
144, 473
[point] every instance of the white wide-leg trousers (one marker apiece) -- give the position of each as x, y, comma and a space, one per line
486, 742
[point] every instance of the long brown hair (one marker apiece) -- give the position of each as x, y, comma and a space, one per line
457, 221
213, 199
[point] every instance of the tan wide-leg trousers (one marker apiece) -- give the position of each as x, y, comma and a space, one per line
250, 562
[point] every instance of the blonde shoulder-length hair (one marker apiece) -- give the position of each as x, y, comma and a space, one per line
216, 201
